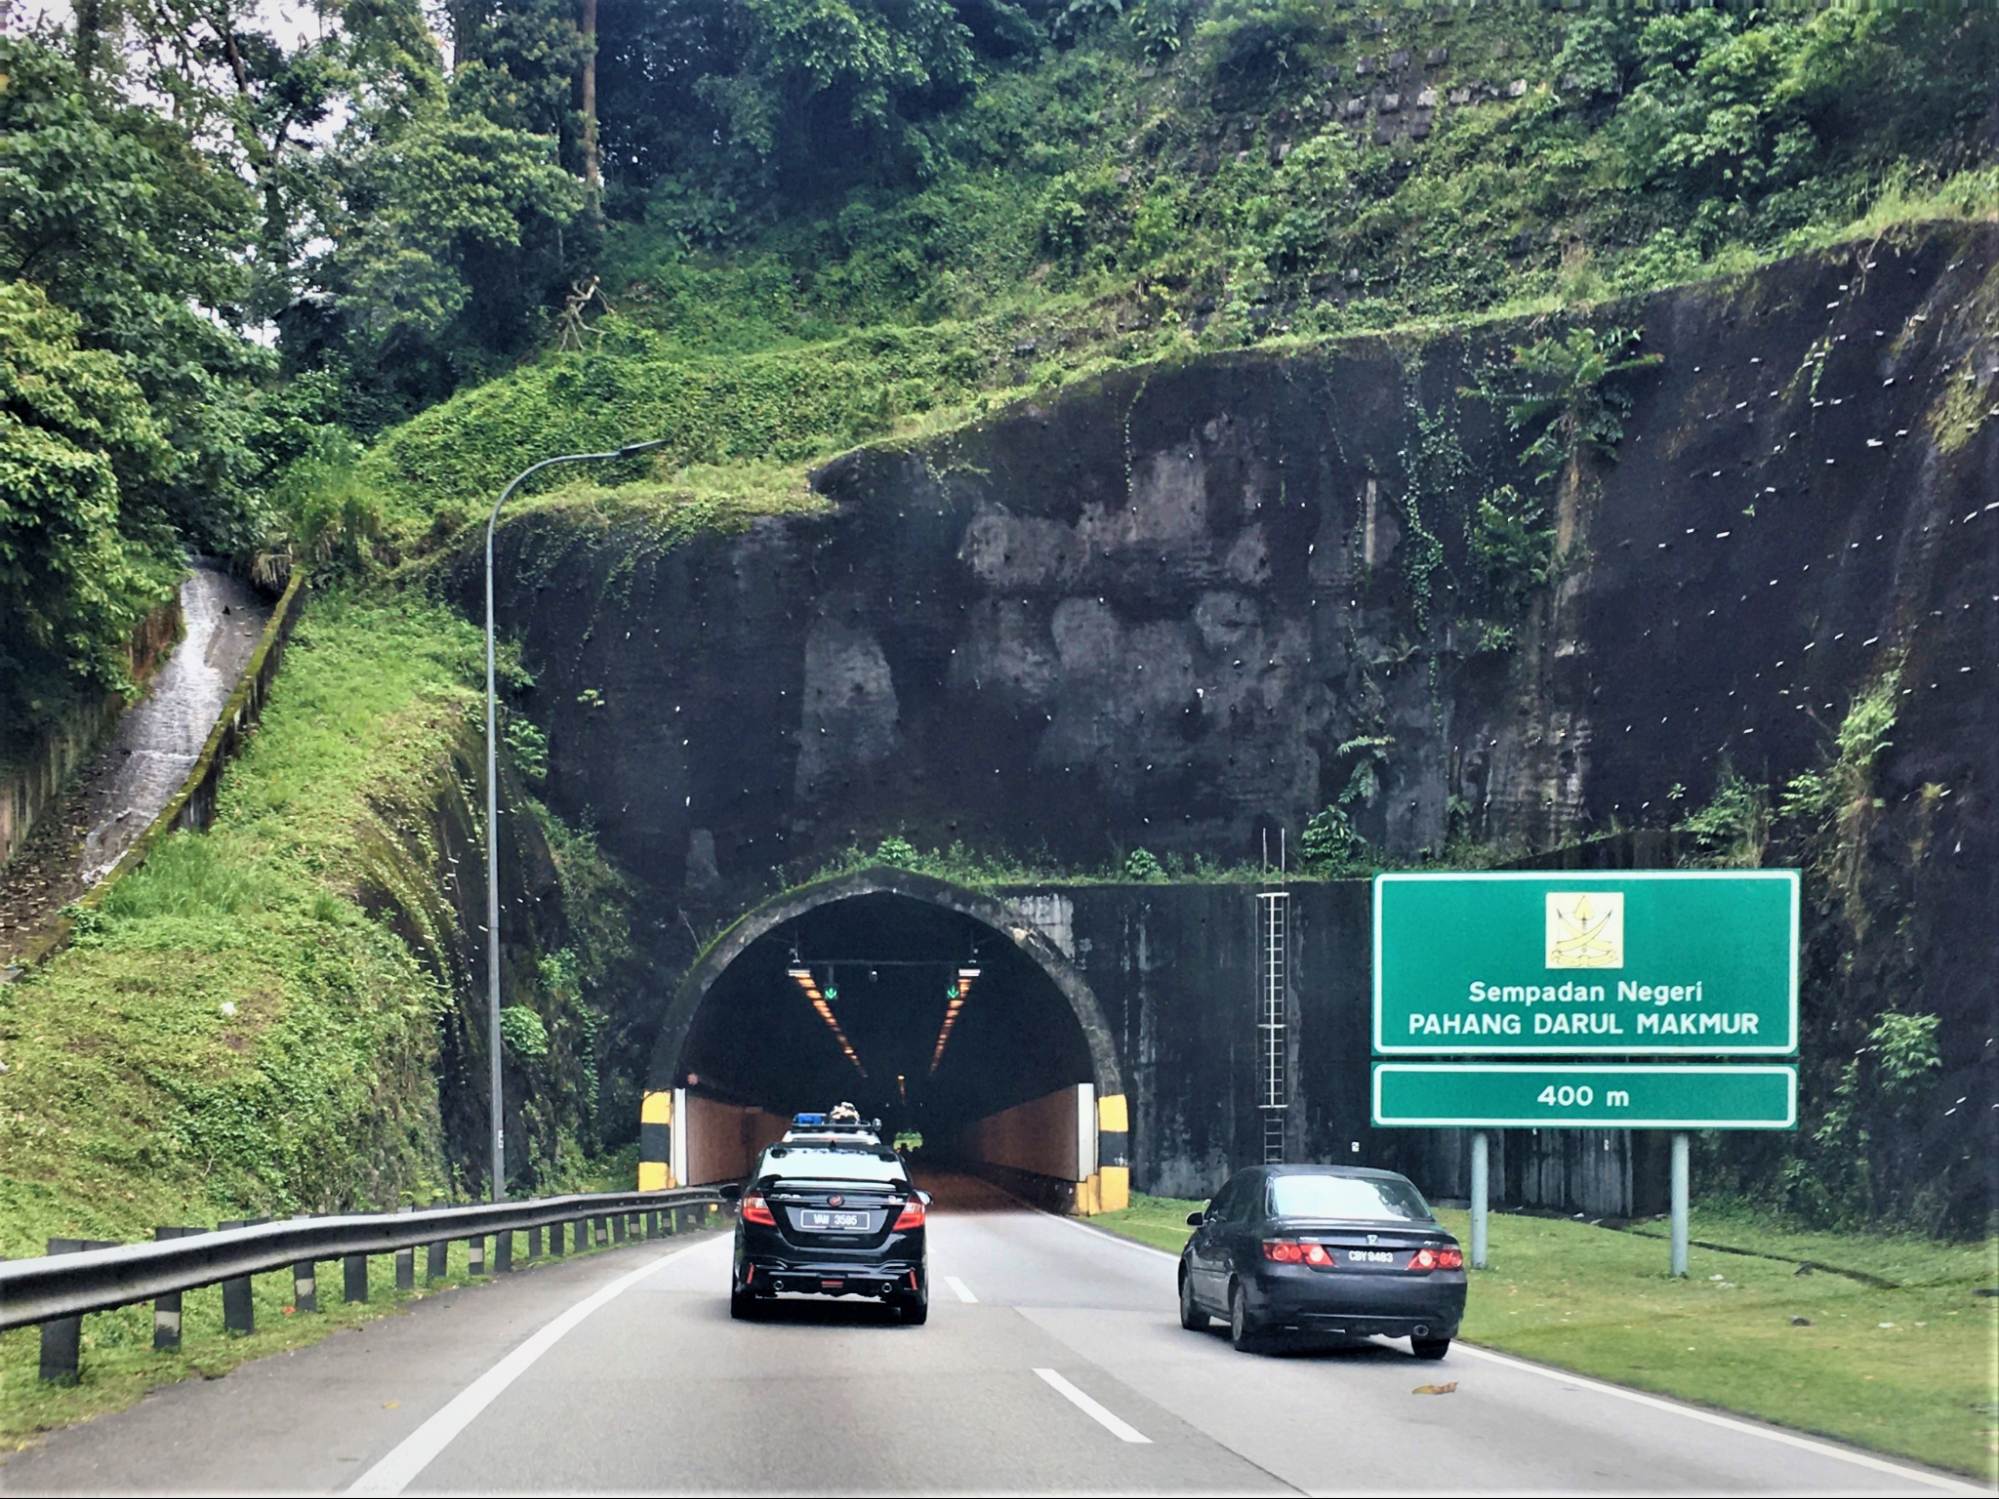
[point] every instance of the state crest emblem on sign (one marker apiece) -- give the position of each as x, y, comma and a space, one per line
1586, 929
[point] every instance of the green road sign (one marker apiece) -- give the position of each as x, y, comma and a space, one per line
1581, 1095
1637, 964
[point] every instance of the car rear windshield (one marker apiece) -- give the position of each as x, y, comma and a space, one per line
831, 1165
1369, 1197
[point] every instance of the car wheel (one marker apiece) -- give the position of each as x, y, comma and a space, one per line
1191, 1316
914, 1310
744, 1306
1430, 1348
1243, 1330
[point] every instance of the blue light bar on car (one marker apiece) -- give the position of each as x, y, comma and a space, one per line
808, 1119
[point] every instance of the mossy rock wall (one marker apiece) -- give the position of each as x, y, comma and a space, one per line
1159, 610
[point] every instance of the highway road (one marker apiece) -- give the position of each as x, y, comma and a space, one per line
1053, 1362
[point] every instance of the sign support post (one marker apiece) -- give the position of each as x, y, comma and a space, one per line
1480, 1198
1680, 1194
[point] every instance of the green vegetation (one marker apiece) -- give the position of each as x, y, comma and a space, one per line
785, 230
981, 869
1902, 1368
229, 1010
249, 1023
1158, 1221
1571, 396
1868, 1075
77, 583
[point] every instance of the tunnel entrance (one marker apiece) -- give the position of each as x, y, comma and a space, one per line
935, 1008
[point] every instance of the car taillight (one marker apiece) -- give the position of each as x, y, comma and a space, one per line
1437, 1259
756, 1210
1291, 1252
911, 1215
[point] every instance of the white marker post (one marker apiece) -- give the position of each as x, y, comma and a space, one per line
1680, 1194
1479, 1185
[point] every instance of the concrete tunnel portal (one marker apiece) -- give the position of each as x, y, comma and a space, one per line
936, 1008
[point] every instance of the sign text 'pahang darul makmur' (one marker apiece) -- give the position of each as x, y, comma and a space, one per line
1697, 962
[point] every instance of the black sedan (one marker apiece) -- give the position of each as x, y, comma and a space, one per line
1334, 1250
820, 1221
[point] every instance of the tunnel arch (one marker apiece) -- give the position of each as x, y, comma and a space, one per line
1108, 1188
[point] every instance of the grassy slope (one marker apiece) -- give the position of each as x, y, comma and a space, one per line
231, 1034
1908, 1370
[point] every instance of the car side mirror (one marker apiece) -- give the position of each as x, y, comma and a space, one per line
1195, 1220
731, 1192
925, 1198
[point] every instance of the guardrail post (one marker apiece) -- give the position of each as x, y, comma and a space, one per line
406, 1260
305, 1282
503, 1251
166, 1309
436, 1260
239, 1306
652, 1225
475, 1251
534, 1242
557, 1232
63, 1337
580, 1235
355, 1267
618, 1228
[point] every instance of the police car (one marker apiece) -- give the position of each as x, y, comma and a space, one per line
838, 1128
826, 1214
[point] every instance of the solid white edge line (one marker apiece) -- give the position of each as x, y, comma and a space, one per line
420, 1448
1941, 1481
962, 1291
1122, 1430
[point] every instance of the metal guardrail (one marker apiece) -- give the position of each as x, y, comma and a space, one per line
78, 1276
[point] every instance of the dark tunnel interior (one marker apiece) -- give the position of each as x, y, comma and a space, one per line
887, 969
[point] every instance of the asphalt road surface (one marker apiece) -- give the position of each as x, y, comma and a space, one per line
1053, 1362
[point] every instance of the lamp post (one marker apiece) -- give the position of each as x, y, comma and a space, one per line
629, 450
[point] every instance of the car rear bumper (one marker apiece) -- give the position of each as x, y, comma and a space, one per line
1359, 1305
773, 1275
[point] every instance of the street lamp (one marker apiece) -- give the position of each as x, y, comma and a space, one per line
629, 450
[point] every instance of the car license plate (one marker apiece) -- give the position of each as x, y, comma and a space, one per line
1371, 1256
838, 1223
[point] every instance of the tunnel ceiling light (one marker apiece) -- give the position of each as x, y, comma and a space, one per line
809, 986
956, 996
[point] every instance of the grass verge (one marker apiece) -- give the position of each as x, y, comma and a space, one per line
1910, 1369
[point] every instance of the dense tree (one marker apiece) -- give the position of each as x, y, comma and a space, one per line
448, 244
119, 217
71, 423
796, 95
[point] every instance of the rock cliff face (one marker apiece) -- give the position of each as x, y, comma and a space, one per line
1179, 607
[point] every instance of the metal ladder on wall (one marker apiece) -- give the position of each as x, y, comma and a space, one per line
1273, 919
